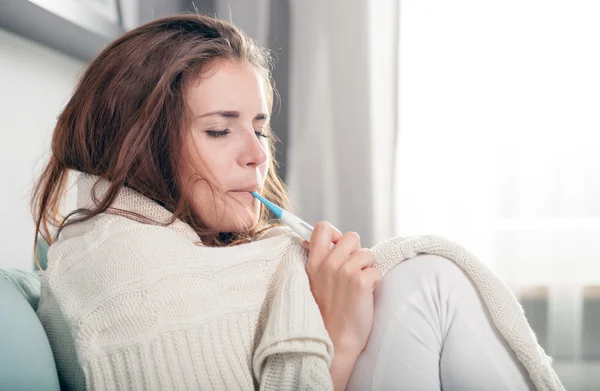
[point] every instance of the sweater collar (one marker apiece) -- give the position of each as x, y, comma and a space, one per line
129, 200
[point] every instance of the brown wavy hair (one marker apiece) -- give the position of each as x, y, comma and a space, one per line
127, 121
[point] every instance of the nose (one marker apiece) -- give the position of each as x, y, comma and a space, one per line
254, 152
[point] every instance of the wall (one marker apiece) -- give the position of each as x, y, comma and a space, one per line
36, 83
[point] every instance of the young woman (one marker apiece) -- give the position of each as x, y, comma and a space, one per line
170, 275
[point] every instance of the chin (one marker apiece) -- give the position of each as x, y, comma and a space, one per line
244, 225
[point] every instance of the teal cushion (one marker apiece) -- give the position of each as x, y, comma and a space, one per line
26, 360
42, 253
28, 283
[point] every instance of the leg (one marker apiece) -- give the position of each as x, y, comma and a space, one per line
432, 331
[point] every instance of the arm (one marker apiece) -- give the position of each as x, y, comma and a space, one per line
295, 351
295, 371
298, 371
341, 369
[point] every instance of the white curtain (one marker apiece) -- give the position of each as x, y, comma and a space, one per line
343, 88
499, 150
476, 121
252, 16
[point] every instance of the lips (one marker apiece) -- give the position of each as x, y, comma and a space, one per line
248, 189
243, 196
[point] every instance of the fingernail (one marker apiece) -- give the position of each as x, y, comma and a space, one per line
305, 244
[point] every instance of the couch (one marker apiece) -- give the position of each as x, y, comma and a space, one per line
26, 360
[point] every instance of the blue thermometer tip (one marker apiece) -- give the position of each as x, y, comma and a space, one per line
274, 208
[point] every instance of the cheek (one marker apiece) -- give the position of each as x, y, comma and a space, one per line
265, 169
209, 162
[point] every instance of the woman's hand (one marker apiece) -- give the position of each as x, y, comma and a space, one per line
342, 282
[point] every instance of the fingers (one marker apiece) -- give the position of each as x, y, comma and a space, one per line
336, 234
323, 234
322, 237
360, 260
371, 278
349, 243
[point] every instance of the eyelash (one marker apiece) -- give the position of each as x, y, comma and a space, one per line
223, 133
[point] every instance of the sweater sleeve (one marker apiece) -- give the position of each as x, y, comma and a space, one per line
296, 371
295, 350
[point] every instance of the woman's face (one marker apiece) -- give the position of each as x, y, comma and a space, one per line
229, 113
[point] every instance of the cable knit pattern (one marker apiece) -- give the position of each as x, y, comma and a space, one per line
134, 306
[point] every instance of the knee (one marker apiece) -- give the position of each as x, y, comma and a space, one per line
429, 266
427, 272
421, 294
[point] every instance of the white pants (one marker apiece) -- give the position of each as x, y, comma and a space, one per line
432, 331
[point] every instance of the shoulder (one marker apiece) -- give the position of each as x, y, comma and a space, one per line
105, 237
107, 254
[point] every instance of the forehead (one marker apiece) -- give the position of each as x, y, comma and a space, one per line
228, 86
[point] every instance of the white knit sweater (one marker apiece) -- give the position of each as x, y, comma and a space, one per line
132, 306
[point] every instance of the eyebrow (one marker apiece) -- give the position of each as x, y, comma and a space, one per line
233, 114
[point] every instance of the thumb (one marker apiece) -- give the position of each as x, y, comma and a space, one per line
306, 245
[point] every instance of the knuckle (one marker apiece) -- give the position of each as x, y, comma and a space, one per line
366, 253
352, 236
346, 270
329, 265
322, 224
359, 281
375, 273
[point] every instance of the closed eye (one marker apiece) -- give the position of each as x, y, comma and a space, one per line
217, 133
223, 133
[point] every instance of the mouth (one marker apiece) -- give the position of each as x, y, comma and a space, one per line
243, 196
247, 189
